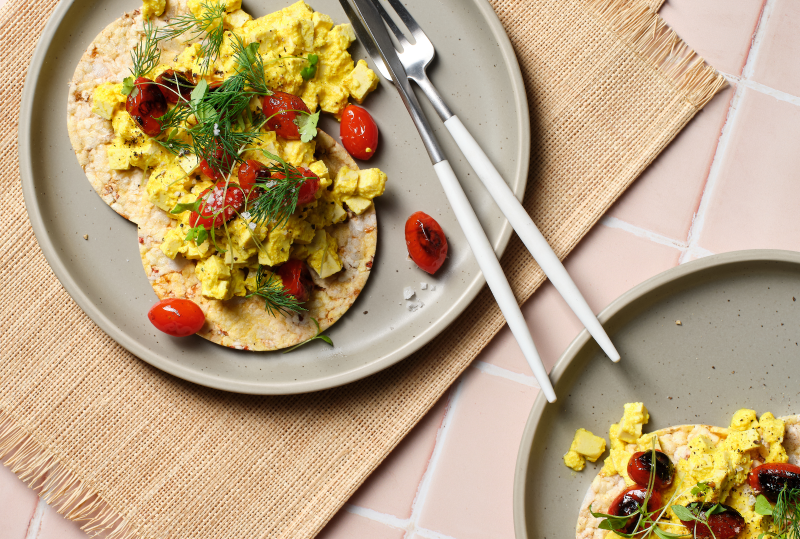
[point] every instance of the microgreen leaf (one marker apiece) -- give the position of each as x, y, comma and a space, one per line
700, 488
307, 125
181, 207
665, 534
763, 507
683, 513
199, 92
319, 336
198, 234
127, 85
310, 70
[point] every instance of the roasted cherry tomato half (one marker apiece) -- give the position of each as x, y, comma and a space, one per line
628, 503
641, 464
177, 317
771, 479
296, 279
251, 172
724, 525
279, 108
146, 104
358, 132
218, 205
224, 159
175, 85
426, 242
309, 187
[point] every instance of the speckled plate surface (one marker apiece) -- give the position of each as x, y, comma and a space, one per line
737, 347
106, 279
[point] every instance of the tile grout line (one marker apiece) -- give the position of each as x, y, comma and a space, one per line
614, 222
424, 485
35, 525
698, 222
500, 372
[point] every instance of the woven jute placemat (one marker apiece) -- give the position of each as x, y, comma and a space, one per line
123, 448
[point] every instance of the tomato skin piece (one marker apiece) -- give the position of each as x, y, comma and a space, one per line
296, 279
179, 86
308, 189
251, 172
426, 242
219, 205
177, 317
639, 467
279, 109
770, 479
358, 132
725, 525
628, 503
146, 104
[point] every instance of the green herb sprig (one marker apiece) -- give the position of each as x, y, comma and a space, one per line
785, 515
276, 298
145, 56
317, 336
278, 200
208, 26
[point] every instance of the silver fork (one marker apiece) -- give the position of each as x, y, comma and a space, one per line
415, 59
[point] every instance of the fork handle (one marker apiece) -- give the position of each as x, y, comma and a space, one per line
529, 233
495, 278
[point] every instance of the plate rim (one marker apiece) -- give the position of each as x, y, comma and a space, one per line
665, 278
128, 342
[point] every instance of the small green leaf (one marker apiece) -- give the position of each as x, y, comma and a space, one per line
181, 207
127, 85
197, 234
763, 507
683, 513
715, 510
199, 91
326, 339
700, 488
310, 70
307, 125
315, 337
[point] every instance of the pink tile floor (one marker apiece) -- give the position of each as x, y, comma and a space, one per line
729, 181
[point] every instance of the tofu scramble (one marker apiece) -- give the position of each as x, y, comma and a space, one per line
707, 481
234, 255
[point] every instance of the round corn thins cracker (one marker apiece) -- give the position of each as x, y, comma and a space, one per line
108, 60
674, 442
244, 323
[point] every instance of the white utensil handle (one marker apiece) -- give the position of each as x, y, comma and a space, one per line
495, 278
530, 235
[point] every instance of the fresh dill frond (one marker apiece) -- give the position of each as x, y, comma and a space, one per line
146, 54
317, 336
277, 299
786, 514
279, 198
209, 26
249, 65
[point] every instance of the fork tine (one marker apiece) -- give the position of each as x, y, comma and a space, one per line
392, 26
410, 22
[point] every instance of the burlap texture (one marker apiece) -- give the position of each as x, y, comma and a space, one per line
122, 447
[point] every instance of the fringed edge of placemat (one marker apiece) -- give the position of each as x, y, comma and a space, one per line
38, 468
652, 39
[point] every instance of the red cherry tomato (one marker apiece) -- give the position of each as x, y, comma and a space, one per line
309, 187
146, 104
177, 317
175, 86
426, 242
219, 205
223, 158
279, 109
358, 132
251, 172
629, 502
771, 479
640, 465
725, 525
296, 279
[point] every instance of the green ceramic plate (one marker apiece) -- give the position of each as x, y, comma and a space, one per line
737, 347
